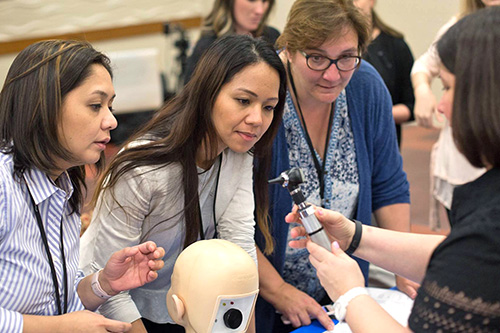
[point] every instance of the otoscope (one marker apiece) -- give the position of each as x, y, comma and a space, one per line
291, 179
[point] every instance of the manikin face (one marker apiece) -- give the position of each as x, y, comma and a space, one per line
244, 108
324, 86
87, 118
248, 14
445, 105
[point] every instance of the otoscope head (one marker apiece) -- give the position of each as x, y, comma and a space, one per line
290, 179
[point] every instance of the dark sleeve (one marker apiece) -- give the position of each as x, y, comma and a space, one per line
270, 34
404, 63
461, 287
203, 43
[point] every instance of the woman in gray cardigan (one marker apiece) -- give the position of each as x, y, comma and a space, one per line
187, 175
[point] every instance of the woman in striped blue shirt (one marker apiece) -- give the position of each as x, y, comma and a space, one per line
55, 116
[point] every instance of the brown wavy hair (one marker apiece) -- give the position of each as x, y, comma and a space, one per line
310, 23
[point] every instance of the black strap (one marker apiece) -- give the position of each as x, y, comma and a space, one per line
356, 239
202, 233
51, 262
320, 169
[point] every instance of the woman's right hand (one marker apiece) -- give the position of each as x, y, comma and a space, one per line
77, 322
425, 105
87, 321
337, 227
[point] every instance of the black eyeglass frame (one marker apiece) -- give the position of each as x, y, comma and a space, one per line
332, 61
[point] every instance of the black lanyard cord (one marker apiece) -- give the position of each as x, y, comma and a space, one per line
320, 169
202, 233
51, 261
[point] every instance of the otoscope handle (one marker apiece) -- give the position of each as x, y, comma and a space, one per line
314, 228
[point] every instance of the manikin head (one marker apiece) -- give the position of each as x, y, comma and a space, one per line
214, 287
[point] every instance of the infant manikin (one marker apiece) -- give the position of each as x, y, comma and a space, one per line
214, 288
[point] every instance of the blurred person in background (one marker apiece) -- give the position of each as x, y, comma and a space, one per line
244, 17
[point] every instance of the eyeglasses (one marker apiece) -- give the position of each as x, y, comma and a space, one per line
318, 62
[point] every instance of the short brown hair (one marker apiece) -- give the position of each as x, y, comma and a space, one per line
310, 23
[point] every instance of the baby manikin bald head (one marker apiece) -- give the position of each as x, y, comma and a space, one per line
214, 287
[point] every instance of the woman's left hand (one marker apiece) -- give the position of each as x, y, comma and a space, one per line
132, 267
337, 272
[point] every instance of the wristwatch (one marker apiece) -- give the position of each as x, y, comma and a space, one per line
96, 287
340, 306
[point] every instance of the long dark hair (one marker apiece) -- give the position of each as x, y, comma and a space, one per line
182, 125
31, 106
470, 51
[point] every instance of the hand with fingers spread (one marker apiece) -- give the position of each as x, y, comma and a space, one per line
132, 267
337, 227
299, 308
337, 272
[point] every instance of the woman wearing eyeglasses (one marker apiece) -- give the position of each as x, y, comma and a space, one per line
338, 128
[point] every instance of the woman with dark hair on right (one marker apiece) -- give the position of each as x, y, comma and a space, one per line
459, 273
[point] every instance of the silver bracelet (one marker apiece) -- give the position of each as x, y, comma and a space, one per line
96, 287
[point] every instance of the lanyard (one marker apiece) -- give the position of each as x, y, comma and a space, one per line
320, 169
51, 262
202, 233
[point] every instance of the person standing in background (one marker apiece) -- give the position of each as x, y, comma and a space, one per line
243, 17
449, 168
392, 58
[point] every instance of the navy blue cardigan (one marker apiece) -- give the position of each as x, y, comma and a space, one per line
382, 181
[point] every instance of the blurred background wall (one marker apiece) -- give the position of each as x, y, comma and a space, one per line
418, 20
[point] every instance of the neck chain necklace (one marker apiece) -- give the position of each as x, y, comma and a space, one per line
320, 169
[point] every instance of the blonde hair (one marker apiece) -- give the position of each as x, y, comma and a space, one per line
221, 19
312, 22
470, 6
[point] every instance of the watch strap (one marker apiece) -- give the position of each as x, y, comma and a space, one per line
96, 287
356, 239
340, 306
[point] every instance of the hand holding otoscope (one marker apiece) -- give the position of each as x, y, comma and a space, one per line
291, 179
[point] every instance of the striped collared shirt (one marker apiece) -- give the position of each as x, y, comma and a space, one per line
26, 285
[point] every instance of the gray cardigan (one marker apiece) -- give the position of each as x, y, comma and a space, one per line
157, 196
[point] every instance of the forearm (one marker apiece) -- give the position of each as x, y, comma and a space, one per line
421, 82
270, 281
41, 324
394, 217
402, 253
138, 327
401, 113
90, 300
365, 315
